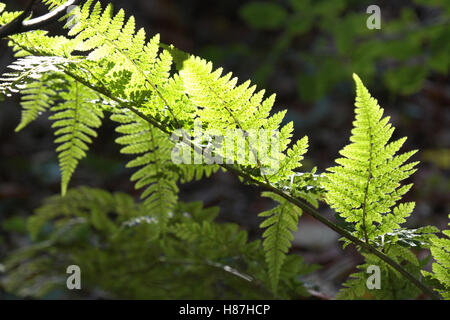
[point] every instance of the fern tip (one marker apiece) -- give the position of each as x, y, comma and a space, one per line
356, 78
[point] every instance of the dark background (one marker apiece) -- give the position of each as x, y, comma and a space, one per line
306, 56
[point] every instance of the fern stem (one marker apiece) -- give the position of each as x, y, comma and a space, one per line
366, 191
244, 277
103, 91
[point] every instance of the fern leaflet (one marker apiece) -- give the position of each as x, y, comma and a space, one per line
75, 121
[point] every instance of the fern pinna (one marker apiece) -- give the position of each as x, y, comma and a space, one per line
155, 93
440, 249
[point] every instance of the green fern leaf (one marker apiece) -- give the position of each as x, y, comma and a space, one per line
153, 149
280, 222
38, 97
224, 105
365, 187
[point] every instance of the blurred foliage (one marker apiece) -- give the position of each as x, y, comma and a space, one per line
264, 15
123, 253
329, 41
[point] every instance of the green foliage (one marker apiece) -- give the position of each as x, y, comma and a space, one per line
119, 247
75, 121
223, 105
392, 285
365, 187
36, 98
440, 250
263, 15
7, 16
153, 150
280, 222
53, 3
73, 107
153, 92
321, 35
196, 91
119, 64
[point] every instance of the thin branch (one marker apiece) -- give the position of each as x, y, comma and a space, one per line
20, 25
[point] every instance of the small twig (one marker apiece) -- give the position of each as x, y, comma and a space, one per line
20, 25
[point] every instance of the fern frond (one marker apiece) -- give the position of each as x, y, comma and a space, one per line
107, 36
216, 94
292, 159
440, 251
29, 69
7, 16
74, 110
83, 205
53, 3
75, 121
37, 97
365, 187
112, 40
280, 222
153, 150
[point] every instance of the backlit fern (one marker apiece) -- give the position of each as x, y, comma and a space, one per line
75, 121
159, 96
128, 241
280, 222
